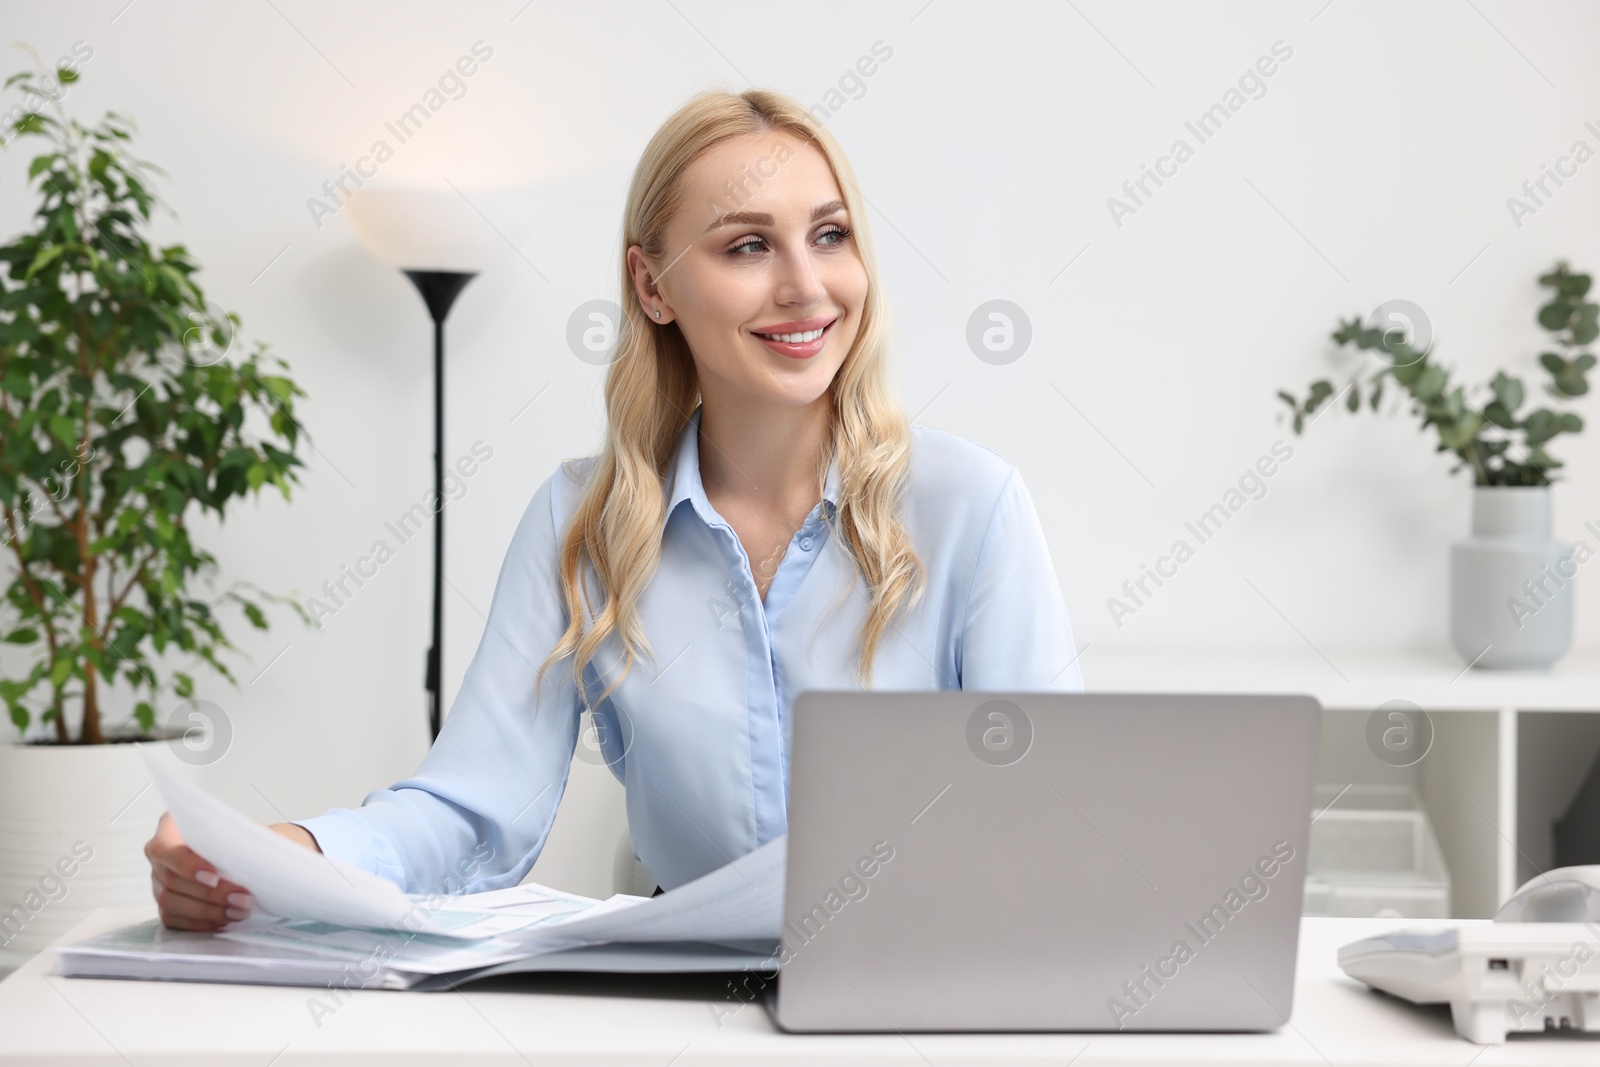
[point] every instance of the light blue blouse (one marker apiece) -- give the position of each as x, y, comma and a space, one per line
699, 738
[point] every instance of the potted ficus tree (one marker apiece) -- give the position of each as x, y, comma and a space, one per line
1511, 582
125, 412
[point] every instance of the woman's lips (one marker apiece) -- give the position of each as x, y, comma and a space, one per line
799, 351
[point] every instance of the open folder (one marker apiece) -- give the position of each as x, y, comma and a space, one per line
318, 921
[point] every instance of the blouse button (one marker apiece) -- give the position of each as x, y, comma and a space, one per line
805, 544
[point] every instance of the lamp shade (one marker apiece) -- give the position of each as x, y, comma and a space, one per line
439, 229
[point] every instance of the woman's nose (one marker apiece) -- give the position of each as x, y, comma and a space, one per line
798, 283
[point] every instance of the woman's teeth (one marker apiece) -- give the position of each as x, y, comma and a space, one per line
794, 338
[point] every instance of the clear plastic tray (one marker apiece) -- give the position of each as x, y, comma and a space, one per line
1374, 854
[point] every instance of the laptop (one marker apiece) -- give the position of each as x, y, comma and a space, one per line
1025, 861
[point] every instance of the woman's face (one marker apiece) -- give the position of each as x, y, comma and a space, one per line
762, 246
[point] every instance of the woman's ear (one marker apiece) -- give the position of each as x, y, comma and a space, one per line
645, 287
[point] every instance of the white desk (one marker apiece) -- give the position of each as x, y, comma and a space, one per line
551, 1020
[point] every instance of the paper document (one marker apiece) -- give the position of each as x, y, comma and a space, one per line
286, 880
320, 922
414, 953
741, 901
149, 951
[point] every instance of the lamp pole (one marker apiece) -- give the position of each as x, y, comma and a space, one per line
439, 289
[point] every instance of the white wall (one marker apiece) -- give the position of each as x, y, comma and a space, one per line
1376, 166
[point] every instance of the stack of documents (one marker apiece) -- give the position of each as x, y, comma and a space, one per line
318, 921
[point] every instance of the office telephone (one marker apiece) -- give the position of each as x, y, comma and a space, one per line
1536, 967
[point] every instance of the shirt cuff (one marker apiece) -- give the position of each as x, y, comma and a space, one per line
342, 834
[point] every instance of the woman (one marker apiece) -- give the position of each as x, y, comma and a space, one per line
790, 532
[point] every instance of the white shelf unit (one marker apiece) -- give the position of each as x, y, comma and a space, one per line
1509, 751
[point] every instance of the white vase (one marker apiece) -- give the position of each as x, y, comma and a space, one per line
1511, 583
74, 820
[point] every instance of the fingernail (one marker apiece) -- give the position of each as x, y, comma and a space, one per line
240, 901
236, 913
206, 878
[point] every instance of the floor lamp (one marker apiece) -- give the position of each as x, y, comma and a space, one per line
439, 289
437, 238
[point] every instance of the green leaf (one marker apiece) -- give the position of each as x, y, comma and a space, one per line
281, 388
1586, 327
63, 429
1459, 434
1408, 373
43, 259
1431, 383
1540, 426
22, 635
1555, 315
1570, 383
1507, 390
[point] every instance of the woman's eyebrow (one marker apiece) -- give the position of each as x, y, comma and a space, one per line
761, 218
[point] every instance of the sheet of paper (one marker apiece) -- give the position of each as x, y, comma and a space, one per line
366, 949
528, 895
150, 951
742, 901
288, 881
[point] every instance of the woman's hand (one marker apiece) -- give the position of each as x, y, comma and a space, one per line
189, 893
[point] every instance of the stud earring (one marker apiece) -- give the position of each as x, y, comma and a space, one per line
658, 313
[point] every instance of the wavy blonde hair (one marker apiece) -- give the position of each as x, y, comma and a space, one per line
652, 389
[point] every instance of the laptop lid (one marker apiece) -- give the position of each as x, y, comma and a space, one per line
962, 860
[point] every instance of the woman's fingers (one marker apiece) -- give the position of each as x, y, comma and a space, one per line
178, 898
183, 912
189, 894
192, 873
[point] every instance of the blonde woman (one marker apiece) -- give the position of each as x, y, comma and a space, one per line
762, 520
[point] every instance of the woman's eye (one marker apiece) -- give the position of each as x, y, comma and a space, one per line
839, 233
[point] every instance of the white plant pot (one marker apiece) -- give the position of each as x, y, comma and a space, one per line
1511, 583
74, 820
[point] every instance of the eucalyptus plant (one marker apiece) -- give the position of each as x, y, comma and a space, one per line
123, 411
1483, 426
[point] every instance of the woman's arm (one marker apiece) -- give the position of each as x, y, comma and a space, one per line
477, 811
1016, 634
296, 833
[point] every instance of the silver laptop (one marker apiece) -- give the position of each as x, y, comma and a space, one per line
1044, 861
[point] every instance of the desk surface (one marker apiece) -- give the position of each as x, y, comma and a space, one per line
558, 1019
